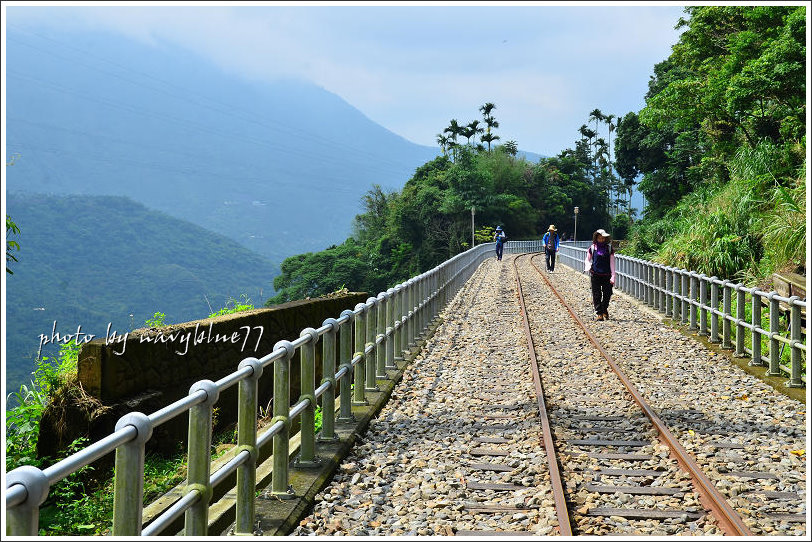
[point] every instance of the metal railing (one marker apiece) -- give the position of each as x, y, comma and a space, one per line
693, 298
384, 327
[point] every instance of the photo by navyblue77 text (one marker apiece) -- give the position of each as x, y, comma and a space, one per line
185, 338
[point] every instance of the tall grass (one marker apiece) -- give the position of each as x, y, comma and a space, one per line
742, 230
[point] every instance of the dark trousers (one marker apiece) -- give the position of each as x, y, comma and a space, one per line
499, 248
550, 259
601, 293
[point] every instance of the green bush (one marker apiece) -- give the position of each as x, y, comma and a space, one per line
234, 306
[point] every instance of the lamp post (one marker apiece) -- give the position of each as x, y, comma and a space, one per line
575, 230
472, 226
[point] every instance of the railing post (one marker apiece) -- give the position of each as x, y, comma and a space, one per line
651, 301
247, 405
655, 285
795, 380
128, 497
663, 290
775, 361
694, 301
424, 305
714, 307
307, 387
369, 360
740, 319
328, 374
404, 320
755, 336
726, 309
389, 329
418, 309
345, 345
397, 323
281, 413
703, 307
358, 395
686, 296
381, 339
434, 292
677, 302
23, 519
410, 316
196, 519
641, 280
669, 296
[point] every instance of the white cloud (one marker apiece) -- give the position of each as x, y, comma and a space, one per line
413, 68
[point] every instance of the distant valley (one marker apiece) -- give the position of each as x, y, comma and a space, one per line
91, 261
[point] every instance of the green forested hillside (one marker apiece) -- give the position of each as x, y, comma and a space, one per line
718, 150
721, 145
404, 233
91, 261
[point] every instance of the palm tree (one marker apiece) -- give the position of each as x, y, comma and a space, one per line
597, 116
489, 138
454, 129
490, 122
486, 110
443, 141
609, 119
511, 147
587, 133
474, 128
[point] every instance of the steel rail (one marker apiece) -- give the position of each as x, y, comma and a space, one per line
729, 520
557, 484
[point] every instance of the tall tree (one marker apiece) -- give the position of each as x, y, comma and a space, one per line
474, 128
453, 130
443, 142
490, 122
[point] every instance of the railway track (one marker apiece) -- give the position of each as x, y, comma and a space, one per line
467, 444
623, 469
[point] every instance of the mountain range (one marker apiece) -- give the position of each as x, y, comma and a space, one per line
145, 178
279, 167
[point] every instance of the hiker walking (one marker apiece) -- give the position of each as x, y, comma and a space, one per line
499, 236
600, 262
550, 242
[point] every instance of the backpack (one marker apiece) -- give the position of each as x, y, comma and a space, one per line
591, 251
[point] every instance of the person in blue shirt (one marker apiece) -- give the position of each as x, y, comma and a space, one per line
550, 243
499, 236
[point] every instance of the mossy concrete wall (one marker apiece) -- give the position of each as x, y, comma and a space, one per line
154, 367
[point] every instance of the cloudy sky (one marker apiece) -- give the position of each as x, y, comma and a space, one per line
413, 66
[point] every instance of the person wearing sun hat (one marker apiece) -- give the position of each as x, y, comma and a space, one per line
600, 263
550, 244
499, 236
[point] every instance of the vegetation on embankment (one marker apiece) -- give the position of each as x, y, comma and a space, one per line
721, 146
82, 503
402, 234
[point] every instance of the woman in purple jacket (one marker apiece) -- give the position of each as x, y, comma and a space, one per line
600, 262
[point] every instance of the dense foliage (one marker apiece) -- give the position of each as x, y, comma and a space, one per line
404, 233
721, 143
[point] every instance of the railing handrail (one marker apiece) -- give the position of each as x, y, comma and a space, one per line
691, 297
384, 327
418, 300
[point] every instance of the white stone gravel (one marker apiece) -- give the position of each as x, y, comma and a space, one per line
705, 400
409, 475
